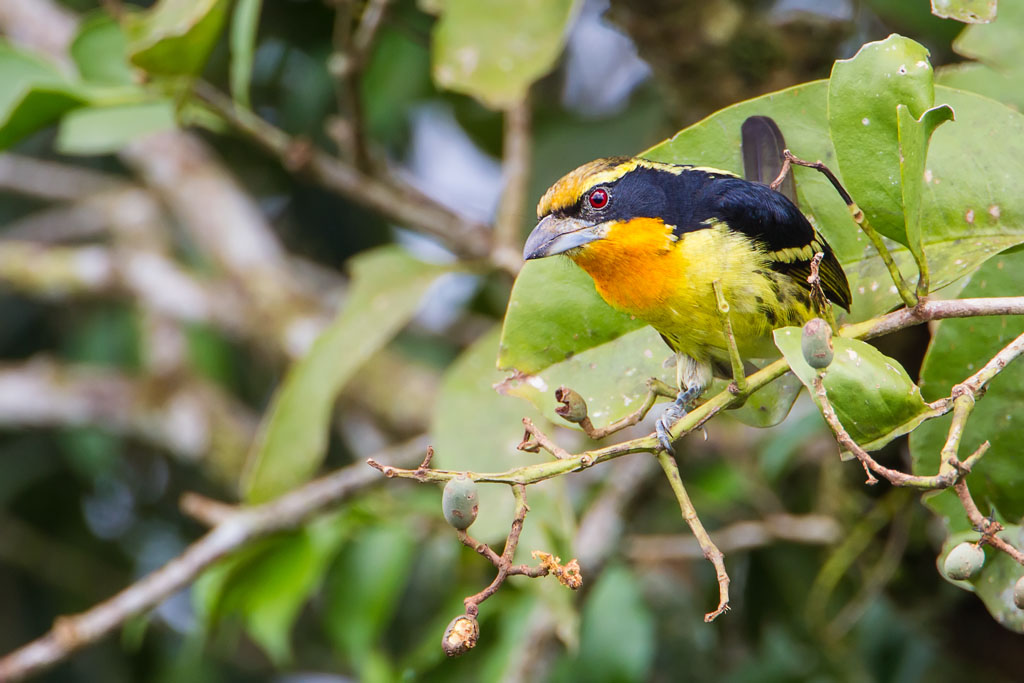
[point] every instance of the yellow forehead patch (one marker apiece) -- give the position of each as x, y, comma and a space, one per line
575, 184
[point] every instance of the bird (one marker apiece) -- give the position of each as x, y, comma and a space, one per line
656, 238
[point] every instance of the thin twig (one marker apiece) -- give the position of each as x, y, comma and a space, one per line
978, 382
534, 439
71, 633
54, 180
710, 550
822, 306
353, 48
573, 409
895, 477
634, 418
507, 249
986, 526
205, 510
927, 311
739, 377
739, 536
902, 286
390, 198
529, 474
185, 416
567, 575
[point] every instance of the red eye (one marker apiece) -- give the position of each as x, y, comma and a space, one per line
598, 198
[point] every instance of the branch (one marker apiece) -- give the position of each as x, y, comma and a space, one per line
906, 293
707, 546
347, 65
156, 282
462, 633
189, 418
53, 180
988, 527
72, 633
507, 250
926, 311
740, 536
390, 198
42, 24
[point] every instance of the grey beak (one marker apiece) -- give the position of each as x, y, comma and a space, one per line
556, 235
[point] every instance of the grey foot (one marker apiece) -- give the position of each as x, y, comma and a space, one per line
673, 413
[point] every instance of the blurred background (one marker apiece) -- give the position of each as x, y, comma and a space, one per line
154, 290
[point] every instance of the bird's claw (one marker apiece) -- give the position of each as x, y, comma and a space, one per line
663, 429
673, 413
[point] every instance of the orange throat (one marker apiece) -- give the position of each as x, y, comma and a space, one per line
633, 265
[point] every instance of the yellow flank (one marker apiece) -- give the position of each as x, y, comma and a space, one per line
573, 185
641, 268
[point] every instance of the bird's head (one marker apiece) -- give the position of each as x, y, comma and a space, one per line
619, 200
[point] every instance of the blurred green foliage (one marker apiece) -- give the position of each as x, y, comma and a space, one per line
365, 591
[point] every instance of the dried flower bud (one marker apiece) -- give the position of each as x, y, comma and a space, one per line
461, 635
573, 408
816, 343
964, 561
460, 502
569, 574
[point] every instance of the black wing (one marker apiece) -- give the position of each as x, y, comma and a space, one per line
773, 221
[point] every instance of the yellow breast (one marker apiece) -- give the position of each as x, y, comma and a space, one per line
643, 269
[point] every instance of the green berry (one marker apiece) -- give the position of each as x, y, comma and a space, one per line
459, 502
1018, 593
964, 561
816, 343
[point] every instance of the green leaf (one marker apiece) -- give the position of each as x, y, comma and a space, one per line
1007, 88
994, 583
494, 49
396, 78
611, 378
577, 317
477, 429
874, 398
508, 630
914, 135
958, 349
617, 636
364, 588
999, 48
105, 130
999, 44
967, 11
33, 94
175, 37
267, 584
244, 25
387, 286
863, 95
100, 51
